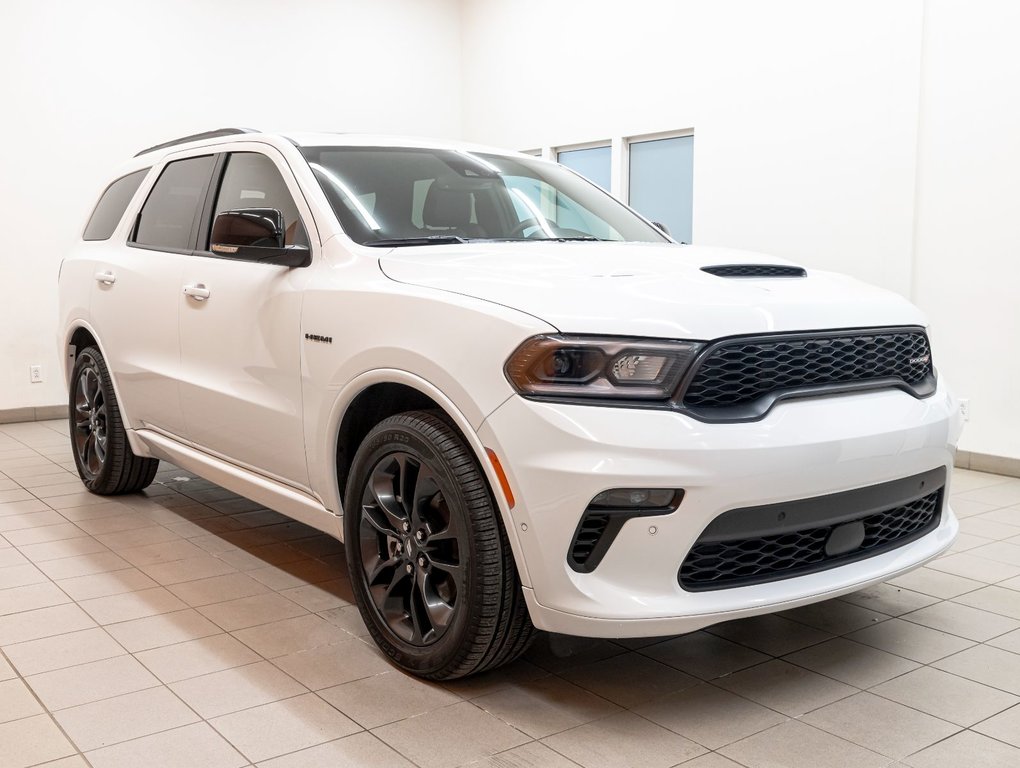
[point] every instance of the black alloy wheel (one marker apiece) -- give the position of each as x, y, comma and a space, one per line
411, 547
102, 454
428, 557
90, 421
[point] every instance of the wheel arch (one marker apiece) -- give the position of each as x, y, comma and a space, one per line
77, 337
376, 395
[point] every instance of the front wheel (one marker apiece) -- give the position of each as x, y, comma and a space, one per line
429, 560
102, 454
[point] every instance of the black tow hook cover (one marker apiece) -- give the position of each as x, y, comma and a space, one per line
845, 538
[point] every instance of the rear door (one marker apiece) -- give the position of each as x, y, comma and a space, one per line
240, 329
136, 296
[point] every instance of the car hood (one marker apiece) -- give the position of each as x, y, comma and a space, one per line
651, 290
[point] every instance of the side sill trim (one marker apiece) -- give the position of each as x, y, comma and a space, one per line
276, 496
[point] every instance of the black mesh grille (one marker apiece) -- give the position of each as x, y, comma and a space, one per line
755, 270
720, 565
591, 529
740, 371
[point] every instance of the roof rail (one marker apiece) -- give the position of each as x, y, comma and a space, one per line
197, 136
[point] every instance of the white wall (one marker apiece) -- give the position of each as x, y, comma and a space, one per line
824, 132
968, 225
85, 85
873, 138
804, 113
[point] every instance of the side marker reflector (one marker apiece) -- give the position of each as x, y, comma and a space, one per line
503, 483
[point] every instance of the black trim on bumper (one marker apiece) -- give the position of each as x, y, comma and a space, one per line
755, 545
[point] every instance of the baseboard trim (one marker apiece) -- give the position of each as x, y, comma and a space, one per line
39, 413
985, 462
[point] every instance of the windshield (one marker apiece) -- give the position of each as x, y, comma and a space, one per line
409, 196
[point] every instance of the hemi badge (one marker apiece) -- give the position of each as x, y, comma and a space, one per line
317, 337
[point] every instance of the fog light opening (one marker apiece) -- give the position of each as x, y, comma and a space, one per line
637, 499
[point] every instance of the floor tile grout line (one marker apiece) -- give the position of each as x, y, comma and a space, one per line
928, 666
49, 713
550, 747
237, 747
857, 689
529, 739
954, 634
152, 688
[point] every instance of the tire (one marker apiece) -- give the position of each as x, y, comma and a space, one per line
434, 578
102, 454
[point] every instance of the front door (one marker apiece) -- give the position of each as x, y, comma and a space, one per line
240, 322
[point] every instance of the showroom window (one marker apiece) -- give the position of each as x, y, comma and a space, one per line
168, 216
594, 163
251, 181
661, 182
111, 206
535, 200
653, 173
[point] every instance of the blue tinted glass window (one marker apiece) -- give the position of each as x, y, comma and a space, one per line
662, 183
593, 164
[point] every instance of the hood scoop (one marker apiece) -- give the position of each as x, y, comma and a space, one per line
755, 270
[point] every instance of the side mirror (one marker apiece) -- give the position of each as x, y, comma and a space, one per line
663, 228
256, 234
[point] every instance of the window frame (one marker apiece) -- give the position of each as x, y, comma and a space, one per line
204, 219
167, 162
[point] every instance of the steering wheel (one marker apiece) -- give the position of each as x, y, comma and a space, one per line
524, 226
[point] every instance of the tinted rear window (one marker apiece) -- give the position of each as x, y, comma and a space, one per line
168, 216
111, 206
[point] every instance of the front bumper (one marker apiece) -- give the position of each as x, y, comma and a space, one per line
558, 457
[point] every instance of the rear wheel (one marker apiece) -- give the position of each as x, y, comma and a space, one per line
102, 454
429, 560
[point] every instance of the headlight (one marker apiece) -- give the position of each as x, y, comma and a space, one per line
599, 367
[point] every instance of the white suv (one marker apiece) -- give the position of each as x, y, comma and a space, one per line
518, 402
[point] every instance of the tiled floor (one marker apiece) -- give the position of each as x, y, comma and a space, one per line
189, 627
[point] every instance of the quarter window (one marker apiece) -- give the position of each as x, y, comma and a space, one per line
111, 206
168, 217
252, 181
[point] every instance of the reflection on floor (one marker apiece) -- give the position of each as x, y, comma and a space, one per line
189, 627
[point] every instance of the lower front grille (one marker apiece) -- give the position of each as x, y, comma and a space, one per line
741, 562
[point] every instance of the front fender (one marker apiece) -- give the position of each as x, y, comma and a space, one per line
344, 396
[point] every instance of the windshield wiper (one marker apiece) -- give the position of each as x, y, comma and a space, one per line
397, 242
590, 238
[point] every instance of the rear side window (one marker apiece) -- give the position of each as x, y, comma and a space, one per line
169, 216
111, 206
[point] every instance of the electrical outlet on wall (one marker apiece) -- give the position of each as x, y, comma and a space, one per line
965, 409
35, 374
